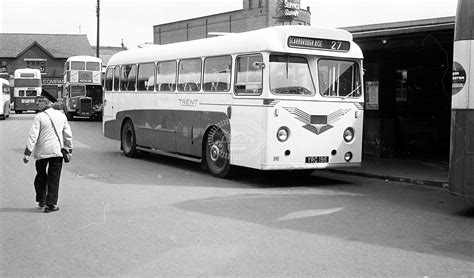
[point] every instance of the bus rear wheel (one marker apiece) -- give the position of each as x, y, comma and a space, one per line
217, 153
128, 140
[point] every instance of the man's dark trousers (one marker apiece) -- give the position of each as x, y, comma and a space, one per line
48, 173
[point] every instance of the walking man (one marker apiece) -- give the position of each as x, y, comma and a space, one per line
49, 133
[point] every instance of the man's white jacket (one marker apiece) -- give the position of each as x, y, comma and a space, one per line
42, 140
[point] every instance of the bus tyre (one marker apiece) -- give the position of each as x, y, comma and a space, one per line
217, 153
128, 140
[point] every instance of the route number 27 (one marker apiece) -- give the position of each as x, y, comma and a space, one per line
336, 45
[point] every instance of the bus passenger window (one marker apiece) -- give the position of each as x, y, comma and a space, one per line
76, 65
128, 78
109, 77
166, 76
116, 78
146, 77
217, 73
189, 76
249, 77
94, 66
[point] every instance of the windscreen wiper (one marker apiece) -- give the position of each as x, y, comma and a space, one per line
357, 88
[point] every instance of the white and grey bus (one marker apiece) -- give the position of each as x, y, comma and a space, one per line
279, 98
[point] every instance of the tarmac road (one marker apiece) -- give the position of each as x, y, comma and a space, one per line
159, 216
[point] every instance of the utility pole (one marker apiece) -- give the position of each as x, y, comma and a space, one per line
98, 24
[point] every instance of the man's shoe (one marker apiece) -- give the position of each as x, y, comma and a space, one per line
52, 208
41, 204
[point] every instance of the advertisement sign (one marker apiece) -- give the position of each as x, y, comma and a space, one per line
291, 8
372, 95
85, 77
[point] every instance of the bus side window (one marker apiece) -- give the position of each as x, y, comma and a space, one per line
109, 77
116, 78
249, 77
128, 78
217, 73
146, 78
166, 76
189, 76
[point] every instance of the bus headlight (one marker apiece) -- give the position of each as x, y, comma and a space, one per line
348, 156
348, 134
283, 133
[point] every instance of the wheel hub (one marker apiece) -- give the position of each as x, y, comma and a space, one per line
215, 152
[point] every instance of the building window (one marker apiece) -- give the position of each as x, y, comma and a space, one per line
36, 64
401, 80
4, 67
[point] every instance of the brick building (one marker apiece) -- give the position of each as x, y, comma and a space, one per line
256, 14
46, 52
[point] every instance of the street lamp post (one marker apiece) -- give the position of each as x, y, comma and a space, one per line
98, 24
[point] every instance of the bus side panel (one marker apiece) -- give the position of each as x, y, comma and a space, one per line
188, 124
112, 129
248, 140
175, 131
461, 176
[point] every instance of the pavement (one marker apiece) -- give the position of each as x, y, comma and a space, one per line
433, 173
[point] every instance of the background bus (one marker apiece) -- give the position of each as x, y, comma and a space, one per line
279, 98
26, 90
82, 87
4, 98
461, 177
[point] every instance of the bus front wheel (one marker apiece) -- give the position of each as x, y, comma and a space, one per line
128, 140
217, 153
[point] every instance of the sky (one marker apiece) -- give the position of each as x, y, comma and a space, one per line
132, 20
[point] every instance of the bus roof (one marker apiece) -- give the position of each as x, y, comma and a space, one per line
36, 72
273, 39
84, 58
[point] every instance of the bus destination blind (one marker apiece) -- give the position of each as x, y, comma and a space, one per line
314, 43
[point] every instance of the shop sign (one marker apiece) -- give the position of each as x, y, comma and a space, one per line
52, 81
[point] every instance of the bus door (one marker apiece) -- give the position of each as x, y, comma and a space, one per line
111, 86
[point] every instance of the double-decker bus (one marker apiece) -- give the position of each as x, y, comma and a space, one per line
82, 87
279, 98
26, 90
461, 178
4, 98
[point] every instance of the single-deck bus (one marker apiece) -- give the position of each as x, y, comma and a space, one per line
461, 179
279, 98
26, 90
82, 87
4, 98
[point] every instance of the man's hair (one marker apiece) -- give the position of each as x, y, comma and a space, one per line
47, 102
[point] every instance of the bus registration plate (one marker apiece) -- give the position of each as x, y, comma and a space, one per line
317, 159
30, 100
